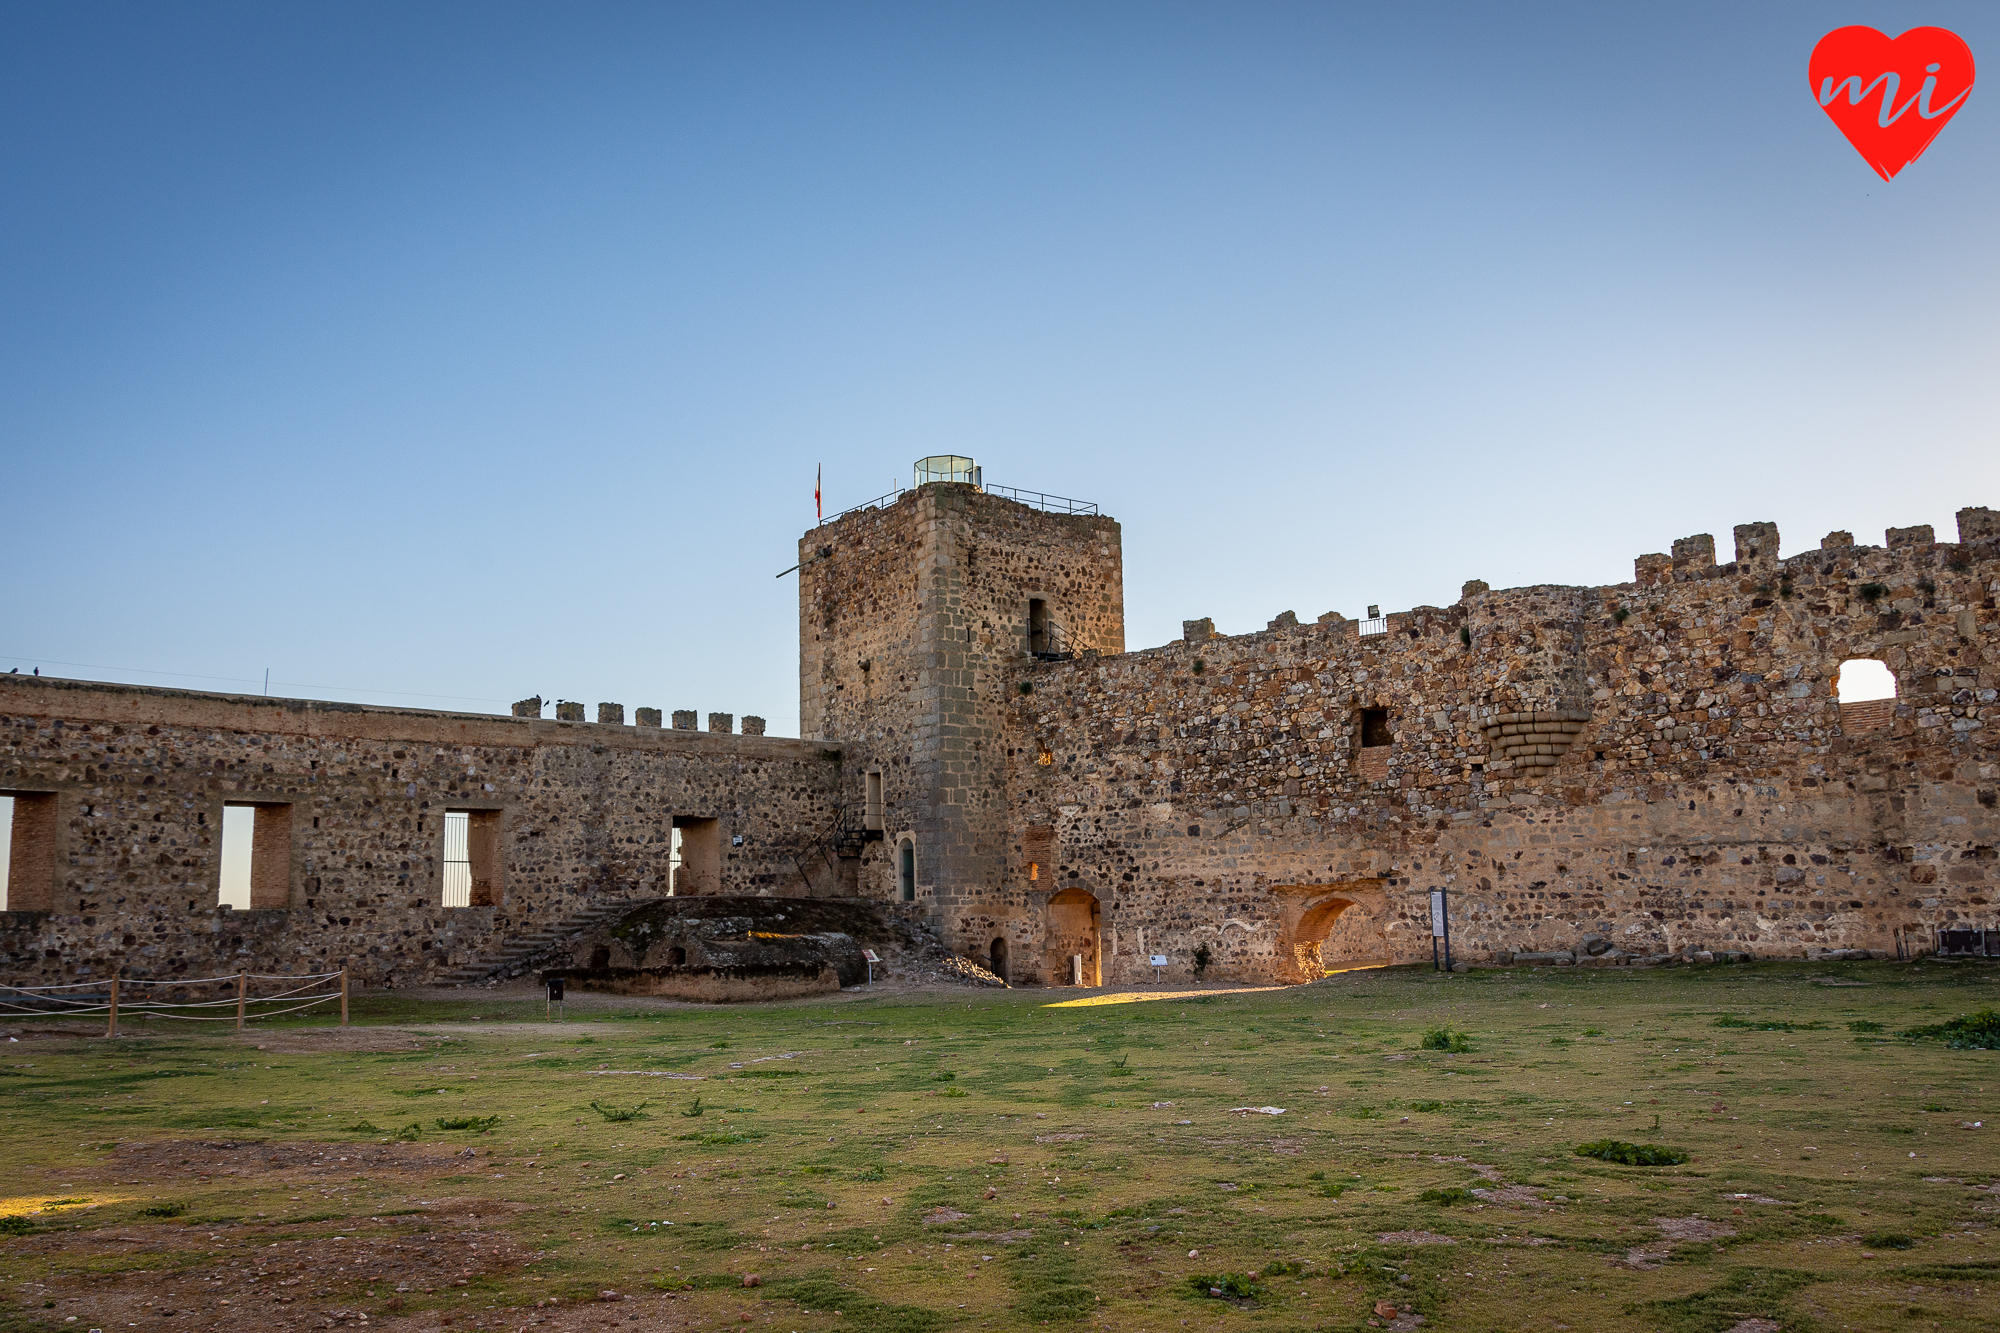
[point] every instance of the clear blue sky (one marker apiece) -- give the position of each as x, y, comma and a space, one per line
479, 350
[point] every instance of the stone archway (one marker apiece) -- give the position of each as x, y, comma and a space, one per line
1328, 924
1075, 923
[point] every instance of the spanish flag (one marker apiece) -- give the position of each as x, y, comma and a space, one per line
818, 513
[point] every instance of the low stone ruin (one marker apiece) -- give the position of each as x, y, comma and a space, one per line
727, 949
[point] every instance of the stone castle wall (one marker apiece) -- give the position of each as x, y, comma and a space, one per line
585, 812
1661, 763
1654, 766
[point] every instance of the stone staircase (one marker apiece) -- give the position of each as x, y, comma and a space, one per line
521, 953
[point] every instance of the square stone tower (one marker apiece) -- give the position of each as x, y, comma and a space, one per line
911, 612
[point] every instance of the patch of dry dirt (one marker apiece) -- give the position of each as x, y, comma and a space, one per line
171, 1159
170, 1276
1678, 1229
1673, 1231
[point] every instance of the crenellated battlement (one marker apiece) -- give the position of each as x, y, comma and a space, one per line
1578, 727
1617, 774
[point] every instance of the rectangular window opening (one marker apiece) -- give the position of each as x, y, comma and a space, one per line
457, 858
256, 861
1375, 728
1038, 626
28, 832
472, 859
871, 810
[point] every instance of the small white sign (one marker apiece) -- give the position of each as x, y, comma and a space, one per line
1159, 960
868, 955
1437, 913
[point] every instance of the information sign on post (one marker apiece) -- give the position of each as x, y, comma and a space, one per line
1440, 929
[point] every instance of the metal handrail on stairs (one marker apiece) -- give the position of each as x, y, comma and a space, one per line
830, 843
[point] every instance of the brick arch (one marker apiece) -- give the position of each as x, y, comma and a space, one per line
1312, 912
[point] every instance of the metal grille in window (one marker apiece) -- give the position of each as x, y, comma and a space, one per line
457, 859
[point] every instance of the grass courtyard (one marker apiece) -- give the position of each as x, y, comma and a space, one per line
971, 1159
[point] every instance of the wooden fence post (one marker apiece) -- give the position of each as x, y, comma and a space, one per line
239, 1001
343, 995
112, 1029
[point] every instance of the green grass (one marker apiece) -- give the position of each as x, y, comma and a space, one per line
1797, 1144
1631, 1154
1444, 1039
1971, 1032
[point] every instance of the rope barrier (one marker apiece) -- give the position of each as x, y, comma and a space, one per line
203, 1018
41, 1011
175, 981
248, 1007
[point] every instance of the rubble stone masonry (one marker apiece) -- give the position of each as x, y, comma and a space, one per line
137, 779
1662, 765
1646, 769
912, 619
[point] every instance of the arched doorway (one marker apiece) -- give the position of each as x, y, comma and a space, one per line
996, 958
1308, 941
1329, 926
1075, 920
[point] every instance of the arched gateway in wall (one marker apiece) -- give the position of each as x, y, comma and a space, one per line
1324, 925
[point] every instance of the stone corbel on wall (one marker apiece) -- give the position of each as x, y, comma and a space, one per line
1534, 740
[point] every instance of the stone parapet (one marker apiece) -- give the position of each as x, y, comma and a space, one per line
571, 814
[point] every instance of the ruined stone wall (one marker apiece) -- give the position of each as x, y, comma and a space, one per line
911, 618
1662, 763
141, 776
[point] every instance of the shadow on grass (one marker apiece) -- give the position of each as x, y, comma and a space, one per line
1743, 1293
823, 1292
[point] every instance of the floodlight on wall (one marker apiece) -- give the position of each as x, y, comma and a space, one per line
945, 467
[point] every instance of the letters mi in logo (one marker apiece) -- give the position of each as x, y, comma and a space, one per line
1891, 96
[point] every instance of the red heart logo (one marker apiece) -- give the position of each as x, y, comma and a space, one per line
1891, 96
